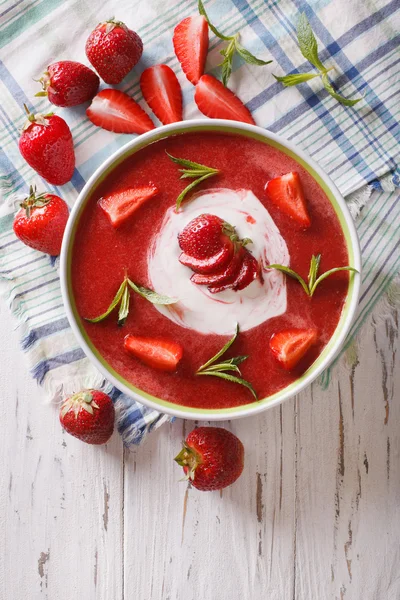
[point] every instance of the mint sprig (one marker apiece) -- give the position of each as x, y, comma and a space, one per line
191, 170
122, 298
224, 369
313, 280
231, 49
309, 48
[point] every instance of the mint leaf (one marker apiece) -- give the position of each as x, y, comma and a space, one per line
215, 31
296, 78
334, 94
232, 378
191, 170
327, 274
114, 304
307, 42
226, 65
313, 272
151, 295
221, 352
248, 57
292, 274
124, 307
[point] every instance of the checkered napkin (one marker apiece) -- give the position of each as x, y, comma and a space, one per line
358, 147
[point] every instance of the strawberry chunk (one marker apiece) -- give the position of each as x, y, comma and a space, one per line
162, 92
291, 345
226, 275
218, 102
157, 353
119, 206
116, 111
248, 272
213, 263
191, 45
286, 192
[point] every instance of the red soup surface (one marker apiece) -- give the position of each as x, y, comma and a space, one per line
102, 254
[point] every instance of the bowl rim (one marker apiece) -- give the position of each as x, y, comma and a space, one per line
336, 341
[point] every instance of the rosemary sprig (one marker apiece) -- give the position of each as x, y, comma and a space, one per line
312, 280
309, 48
122, 298
191, 170
224, 369
230, 50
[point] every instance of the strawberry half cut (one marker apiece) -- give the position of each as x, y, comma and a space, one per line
119, 206
162, 92
116, 111
286, 192
157, 353
217, 261
218, 102
291, 345
191, 45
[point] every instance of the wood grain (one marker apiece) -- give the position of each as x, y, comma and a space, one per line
315, 514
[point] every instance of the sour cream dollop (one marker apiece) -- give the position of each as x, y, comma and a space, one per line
197, 308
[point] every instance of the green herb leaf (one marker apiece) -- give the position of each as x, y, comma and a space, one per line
191, 170
231, 378
327, 274
308, 43
291, 273
150, 295
226, 65
296, 78
124, 307
113, 304
313, 272
215, 31
248, 57
313, 279
221, 352
334, 94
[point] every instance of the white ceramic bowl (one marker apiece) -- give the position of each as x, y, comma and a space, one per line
342, 329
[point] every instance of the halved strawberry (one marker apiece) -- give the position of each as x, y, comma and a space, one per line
218, 102
116, 111
213, 263
226, 275
121, 205
191, 45
291, 345
157, 353
248, 272
287, 193
162, 92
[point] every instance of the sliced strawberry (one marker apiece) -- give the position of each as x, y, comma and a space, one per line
287, 193
291, 345
121, 205
191, 46
162, 92
157, 353
226, 275
213, 263
218, 102
115, 111
248, 272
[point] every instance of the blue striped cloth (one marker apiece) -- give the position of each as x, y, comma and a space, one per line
358, 147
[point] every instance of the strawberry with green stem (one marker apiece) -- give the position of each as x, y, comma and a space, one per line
89, 416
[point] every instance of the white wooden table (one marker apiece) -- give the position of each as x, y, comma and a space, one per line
315, 515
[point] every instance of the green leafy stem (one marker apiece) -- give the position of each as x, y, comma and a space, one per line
313, 280
122, 298
309, 48
229, 51
224, 369
191, 170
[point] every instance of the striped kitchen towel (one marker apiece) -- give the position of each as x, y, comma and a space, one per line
358, 147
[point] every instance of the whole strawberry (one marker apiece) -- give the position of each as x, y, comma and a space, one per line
212, 458
47, 146
68, 83
113, 50
40, 222
88, 416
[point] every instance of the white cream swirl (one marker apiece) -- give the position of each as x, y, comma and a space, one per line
197, 308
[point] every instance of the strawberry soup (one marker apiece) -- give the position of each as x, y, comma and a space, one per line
274, 313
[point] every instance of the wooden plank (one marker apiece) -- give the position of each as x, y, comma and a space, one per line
61, 500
